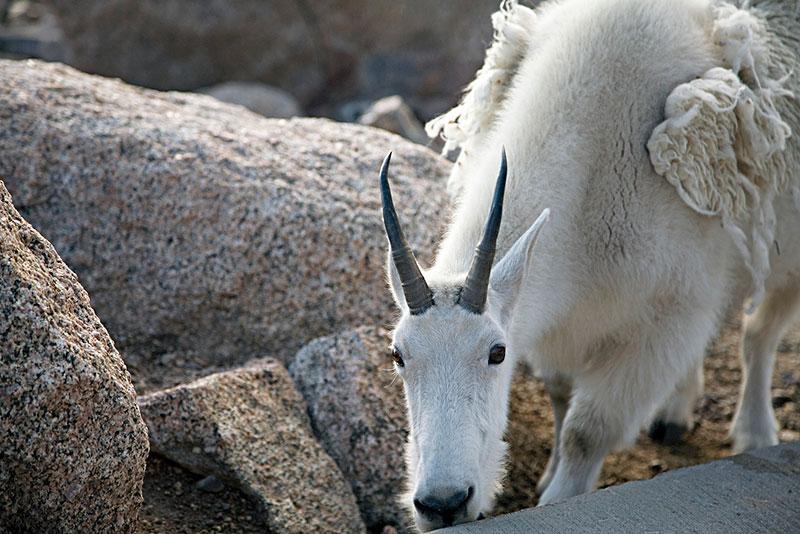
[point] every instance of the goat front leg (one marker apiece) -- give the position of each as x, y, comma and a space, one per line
559, 389
676, 417
621, 388
588, 434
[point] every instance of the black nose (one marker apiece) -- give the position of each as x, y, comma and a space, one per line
444, 505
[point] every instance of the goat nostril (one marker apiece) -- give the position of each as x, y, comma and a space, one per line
455, 501
445, 508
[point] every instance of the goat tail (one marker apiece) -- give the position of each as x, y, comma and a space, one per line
465, 126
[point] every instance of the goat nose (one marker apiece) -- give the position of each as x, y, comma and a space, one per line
444, 505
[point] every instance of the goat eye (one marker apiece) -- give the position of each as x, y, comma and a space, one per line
398, 359
497, 354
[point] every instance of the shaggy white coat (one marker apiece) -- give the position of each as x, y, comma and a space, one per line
658, 133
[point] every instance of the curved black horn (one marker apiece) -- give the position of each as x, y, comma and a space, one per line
418, 295
473, 295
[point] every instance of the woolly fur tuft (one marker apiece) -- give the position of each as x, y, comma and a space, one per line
464, 126
722, 145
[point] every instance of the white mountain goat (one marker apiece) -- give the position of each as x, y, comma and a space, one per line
657, 132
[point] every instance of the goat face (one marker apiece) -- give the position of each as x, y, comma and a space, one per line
450, 349
457, 382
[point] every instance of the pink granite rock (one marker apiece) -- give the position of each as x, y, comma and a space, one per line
249, 427
358, 410
199, 226
72, 442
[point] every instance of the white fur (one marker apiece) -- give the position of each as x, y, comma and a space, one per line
740, 176
629, 280
466, 126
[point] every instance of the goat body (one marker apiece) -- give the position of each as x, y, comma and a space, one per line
658, 134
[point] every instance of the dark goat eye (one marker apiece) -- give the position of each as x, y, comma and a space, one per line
398, 359
497, 354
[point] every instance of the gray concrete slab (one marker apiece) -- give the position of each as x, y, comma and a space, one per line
754, 492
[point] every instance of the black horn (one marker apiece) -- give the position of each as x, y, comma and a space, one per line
418, 295
473, 295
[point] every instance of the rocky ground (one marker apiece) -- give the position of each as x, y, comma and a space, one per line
173, 501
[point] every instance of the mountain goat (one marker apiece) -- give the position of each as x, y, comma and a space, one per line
651, 187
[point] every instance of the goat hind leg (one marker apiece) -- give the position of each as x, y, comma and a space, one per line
754, 424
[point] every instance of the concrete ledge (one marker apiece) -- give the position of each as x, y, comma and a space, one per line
758, 491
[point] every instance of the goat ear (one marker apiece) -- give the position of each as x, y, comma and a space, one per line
394, 282
509, 273
720, 143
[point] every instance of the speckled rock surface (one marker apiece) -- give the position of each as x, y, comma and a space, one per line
72, 443
200, 226
257, 97
358, 411
318, 51
250, 428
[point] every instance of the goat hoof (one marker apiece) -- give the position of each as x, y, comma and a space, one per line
667, 433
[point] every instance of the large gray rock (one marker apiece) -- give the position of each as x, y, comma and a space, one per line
250, 428
358, 410
394, 115
72, 443
758, 491
28, 29
200, 226
258, 97
318, 51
